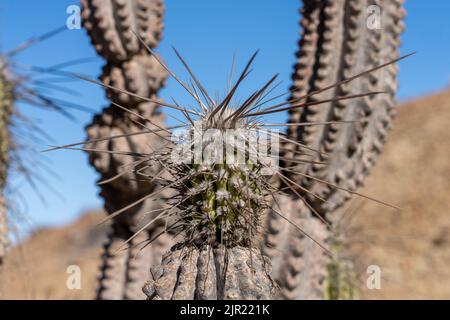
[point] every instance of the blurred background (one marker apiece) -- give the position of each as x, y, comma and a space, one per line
412, 246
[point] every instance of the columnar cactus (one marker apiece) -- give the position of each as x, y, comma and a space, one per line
341, 277
6, 109
219, 204
17, 86
337, 43
220, 170
115, 27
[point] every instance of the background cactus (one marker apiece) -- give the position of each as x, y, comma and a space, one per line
6, 110
220, 169
111, 26
335, 44
299, 264
18, 85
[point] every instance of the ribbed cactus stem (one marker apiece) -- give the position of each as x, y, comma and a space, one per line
220, 167
211, 274
336, 44
6, 101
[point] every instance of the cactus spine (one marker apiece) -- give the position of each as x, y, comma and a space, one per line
111, 26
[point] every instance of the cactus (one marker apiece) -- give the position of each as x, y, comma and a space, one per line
221, 174
6, 110
201, 274
306, 260
224, 179
335, 44
219, 202
112, 24
340, 280
112, 27
16, 85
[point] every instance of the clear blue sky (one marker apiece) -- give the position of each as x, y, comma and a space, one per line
207, 33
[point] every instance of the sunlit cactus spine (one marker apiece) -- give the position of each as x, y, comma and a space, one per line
114, 28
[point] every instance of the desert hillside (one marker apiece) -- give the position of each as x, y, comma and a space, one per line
412, 246
37, 268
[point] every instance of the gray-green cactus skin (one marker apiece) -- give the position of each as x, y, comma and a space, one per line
111, 25
337, 42
218, 273
6, 109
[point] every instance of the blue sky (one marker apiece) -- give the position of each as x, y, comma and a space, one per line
207, 33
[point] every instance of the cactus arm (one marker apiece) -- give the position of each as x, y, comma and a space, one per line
345, 47
336, 44
110, 25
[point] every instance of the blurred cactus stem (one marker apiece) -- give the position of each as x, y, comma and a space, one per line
6, 109
334, 45
115, 27
341, 280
